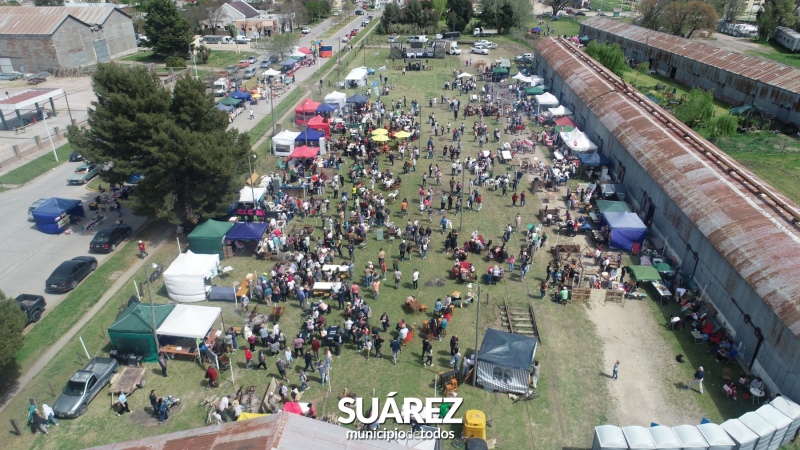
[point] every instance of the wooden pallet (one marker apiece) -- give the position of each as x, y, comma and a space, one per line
519, 320
616, 296
581, 294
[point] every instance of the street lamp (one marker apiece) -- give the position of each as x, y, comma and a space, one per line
44, 119
252, 190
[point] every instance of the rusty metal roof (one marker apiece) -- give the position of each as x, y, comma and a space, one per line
276, 432
758, 239
767, 72
45, 20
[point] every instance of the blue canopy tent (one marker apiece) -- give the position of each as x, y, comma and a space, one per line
626, 229
225, 108
593, 159
357, 99
55, 214
310, 136
242, 95
247, 231
288, 62
326, 107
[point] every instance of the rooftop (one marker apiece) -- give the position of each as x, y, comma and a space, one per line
248, 11
768, 72
45, 20
736, 211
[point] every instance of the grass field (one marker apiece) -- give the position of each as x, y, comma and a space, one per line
218, 58
38, 166
573, 398
777, 53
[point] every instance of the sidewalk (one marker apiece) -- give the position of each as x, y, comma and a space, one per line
57, 346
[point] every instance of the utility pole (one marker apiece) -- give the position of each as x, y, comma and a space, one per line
152, 309
477, 327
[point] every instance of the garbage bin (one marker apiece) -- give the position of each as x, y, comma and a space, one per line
475, 424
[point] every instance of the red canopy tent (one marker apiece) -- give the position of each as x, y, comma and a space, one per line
304, 152
318, 123
295, 408
304, 51
305, 111
565, 121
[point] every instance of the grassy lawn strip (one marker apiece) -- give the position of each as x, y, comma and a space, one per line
38, 166
218, 58
61, 319
777, 53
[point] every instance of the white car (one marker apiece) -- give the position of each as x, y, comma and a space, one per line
305, 30
335, 13
392, 39
481, 43
345, 38
479, 50
490, 45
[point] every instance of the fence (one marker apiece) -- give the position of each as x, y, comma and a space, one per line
34, 138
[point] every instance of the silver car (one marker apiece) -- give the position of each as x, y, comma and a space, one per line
479, 50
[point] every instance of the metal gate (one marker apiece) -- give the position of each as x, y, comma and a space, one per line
101, 50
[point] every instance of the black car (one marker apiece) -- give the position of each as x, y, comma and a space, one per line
359, 12
75, 157
107, 239
67, 275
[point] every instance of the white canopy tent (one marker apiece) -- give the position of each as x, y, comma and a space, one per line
560, 111
247, 193
336, 98
271, 73
185, 277
283, 142
535, 81
547, 99
521, 77
298, 54
465, 75
356, 77
577, 141
189, 321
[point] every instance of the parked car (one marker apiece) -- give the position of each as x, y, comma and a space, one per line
232, 69
336, 13
84, 173
359, 12
392, 39
252, 60
580, 13
364, 23
265, 64
35, 205
306, 30
242, 39
524, 57
69, 273
107, 239
249, 73
243, 64
32, 305
353, 32
479, 50
83, 387
491, 45
75, 157
346, 38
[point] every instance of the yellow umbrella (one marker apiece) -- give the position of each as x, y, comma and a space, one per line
380, 138
402, 134
378, 131
256, 95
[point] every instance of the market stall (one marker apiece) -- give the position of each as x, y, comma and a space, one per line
304, 152
560, 111
209, 237
357, 77
305, 111
546, 100
336, 98
283, 142
577, 141
319, 123
309, 137
247, 231
55, 215
627, 229
132, 332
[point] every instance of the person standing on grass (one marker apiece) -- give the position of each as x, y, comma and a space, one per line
697, 380
162, 361
398, 275
378, 345
323, 372
615, 371
123, 404
142, 249
315, 346
395, 346
376, 287
281, 364
368, 347
262, 360
309, 361
248, 358
535, 374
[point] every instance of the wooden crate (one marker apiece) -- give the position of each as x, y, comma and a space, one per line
581, 294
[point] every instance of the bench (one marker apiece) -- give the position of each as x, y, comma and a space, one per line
277, 312
244, 288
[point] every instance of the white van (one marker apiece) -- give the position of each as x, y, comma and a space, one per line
221, 87
420, 38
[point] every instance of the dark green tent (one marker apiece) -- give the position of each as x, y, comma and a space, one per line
230, 101
644, 273
610, 206
207, 238
499, 69
133, 331
535, 90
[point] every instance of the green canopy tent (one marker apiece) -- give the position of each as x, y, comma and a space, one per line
612, 206
499, 73
535, 90
132, 333
230, 101
644, 273
208, 237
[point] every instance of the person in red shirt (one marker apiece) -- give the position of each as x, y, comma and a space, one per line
212, 376
248, 357
142, 249
514, 199
312, 411
315, 346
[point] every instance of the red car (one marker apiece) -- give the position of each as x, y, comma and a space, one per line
243, 63
354, 32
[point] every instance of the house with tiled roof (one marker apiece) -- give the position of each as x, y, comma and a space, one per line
236, 11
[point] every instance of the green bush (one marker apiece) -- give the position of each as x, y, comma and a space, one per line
175, 62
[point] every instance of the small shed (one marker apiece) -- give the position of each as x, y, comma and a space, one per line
691, 437
505, 360
638, 438
759, 426
743, 437
609, 437
778, 420
716, 437
208, 237
283, 142
186, 277
665, 438
132, 332
791, 410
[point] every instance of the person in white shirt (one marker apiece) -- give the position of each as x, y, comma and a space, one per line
223, 404
276, 329
403, 334
415, 278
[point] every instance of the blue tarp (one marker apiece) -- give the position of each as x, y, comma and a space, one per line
593, 159
358, 99
312, 136
626, 229
326, 107
225, 108
242, 95
289, 62
247, 231
48, 217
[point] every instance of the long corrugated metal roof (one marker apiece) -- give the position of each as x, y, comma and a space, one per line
45, 20
276, 432
768, 72
759, 240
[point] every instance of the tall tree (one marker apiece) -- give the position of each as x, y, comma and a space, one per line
505, 14
650, 12
168, 32
698, 109
610, 56
683, 19
12, 324
391, 15
774, 14
439, 6
281, 45
729, 10
177, 140
413, 13
557, 5
460, 14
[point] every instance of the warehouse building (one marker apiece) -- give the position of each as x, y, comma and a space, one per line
732, 233
736, 79
35, 39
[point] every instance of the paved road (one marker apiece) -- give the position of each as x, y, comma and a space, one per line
28, 256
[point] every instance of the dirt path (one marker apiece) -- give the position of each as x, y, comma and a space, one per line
630, 334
